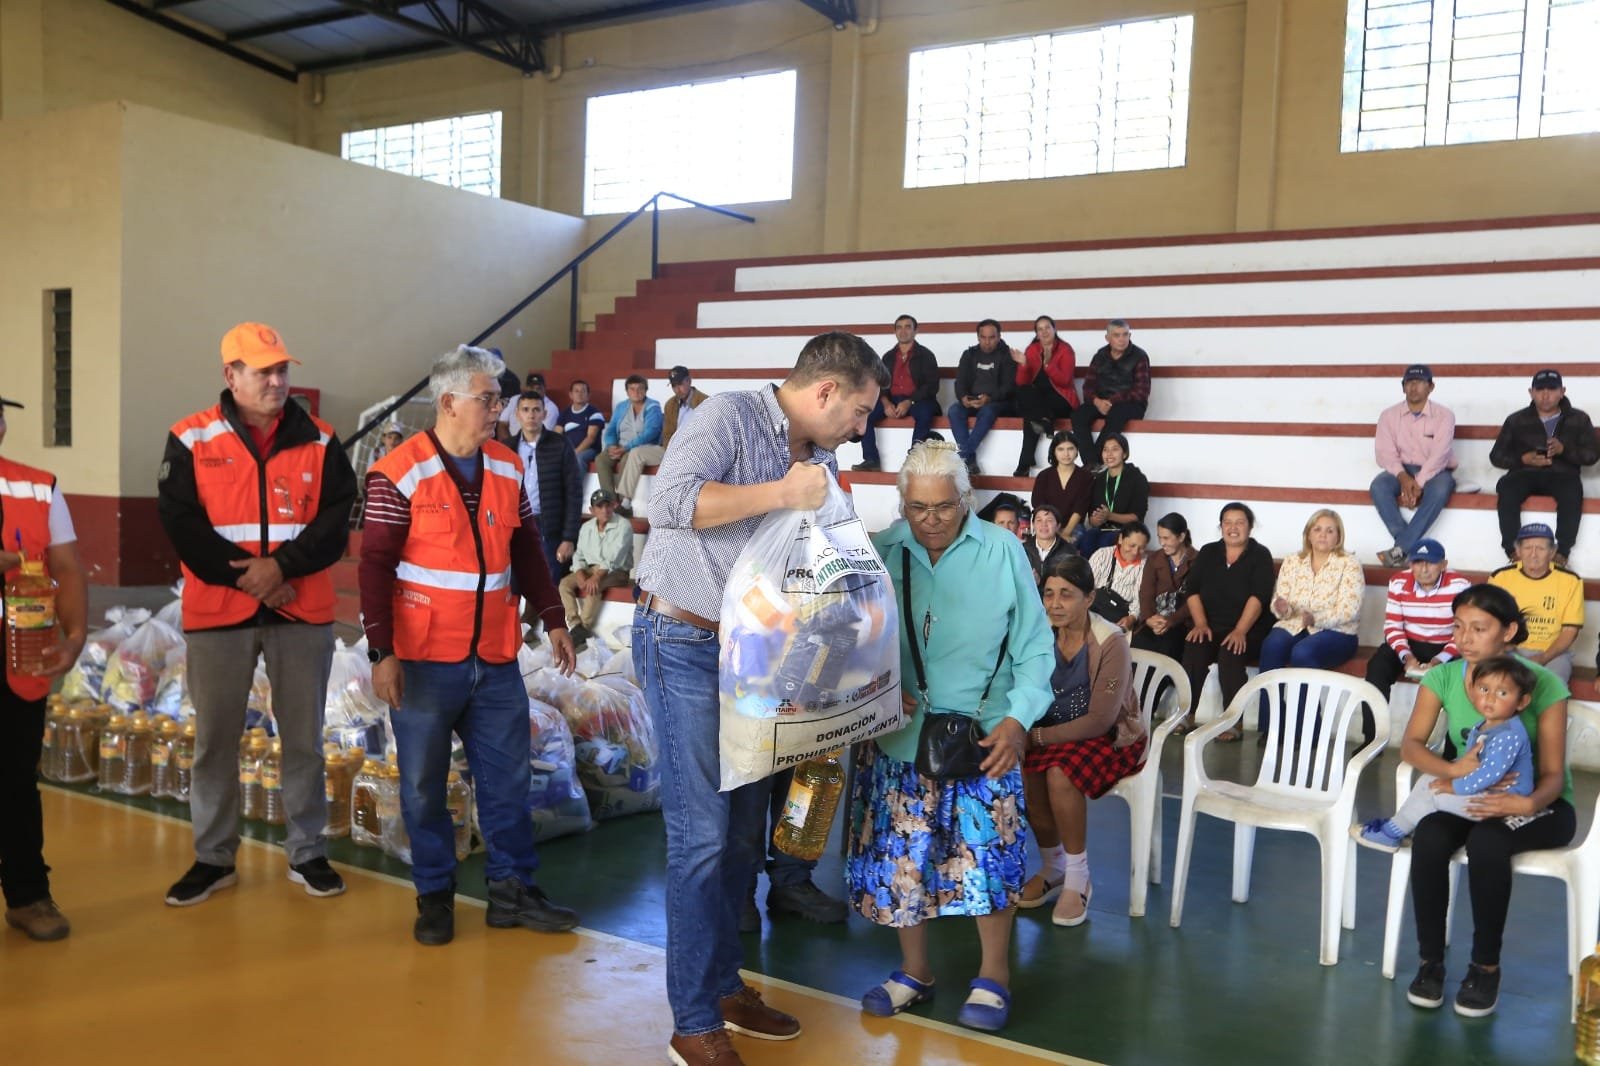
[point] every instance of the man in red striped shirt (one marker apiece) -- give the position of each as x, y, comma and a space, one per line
1417, 622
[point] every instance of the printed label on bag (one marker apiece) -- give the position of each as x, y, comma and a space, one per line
823, 555
797, 806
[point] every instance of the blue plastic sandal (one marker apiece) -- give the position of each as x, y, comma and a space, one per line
987, 1006
895, 995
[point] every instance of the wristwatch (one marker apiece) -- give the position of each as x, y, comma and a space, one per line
377, 655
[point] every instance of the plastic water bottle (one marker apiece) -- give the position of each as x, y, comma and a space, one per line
808, 810
30, 618
1588, 1050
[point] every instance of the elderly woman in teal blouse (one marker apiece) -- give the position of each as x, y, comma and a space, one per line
922, 848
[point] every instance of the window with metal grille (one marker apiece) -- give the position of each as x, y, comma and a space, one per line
463, 152
1429, 72
1058, 104
719, 142
58, 360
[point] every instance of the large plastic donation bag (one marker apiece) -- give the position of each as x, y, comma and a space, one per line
810, 658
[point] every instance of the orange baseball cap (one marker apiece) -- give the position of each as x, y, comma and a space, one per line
255, 345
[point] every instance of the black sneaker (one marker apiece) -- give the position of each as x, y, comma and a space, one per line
580, 636
1479, 992
436, 918
319, 878
512, 903
197, 885
807, 901
625, 510
1427, 988
866, 467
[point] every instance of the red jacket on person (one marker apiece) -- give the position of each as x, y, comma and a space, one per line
1062, 370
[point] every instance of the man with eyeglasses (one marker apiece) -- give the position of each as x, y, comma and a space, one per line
255, 495
450, 538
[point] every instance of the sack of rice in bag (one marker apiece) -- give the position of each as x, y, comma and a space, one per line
85, 681
616, 746
134, 670
556, 802
353, 715
810, 643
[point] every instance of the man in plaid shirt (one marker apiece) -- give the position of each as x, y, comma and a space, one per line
1116, 387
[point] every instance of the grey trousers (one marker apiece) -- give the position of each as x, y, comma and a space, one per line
1424, 801
1561, 665
221, 664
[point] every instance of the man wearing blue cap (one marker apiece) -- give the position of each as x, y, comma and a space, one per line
1414, 445
1551, 598
1545, 447
1418, 623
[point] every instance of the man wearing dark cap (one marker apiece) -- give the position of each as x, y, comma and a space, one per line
1545, 447
1414, 447
1551, 598
678, 411
34, 525
604, 560
1418, 622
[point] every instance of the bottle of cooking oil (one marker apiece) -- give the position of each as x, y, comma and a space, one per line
136, 767
1588, 1050
250, 798
458, 799
55, 719
340, 768
396, 841
162, 769
113, 753
30, 618
183, 763
808, 811
365, 828
272, 784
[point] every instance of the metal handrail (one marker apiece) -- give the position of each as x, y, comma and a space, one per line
571, 269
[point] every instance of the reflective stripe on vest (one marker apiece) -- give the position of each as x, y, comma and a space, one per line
250, 533
452, 580
26, 490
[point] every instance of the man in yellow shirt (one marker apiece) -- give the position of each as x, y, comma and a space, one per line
1550, 596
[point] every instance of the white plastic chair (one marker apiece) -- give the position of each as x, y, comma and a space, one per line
1310, 789
1154, 674
1578, 866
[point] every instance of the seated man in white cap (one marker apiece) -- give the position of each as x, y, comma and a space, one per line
604, 560
1551, 598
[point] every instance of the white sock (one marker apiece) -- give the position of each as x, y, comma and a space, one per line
1076, 872
1055, 861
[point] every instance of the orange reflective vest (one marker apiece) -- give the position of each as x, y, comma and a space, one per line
25, 495
453, 593
257, 505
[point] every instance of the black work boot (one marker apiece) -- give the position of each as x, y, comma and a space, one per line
512, 903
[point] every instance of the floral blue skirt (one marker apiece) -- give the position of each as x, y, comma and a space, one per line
923, 849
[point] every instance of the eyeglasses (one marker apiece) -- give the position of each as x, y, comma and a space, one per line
940, 511
492, 402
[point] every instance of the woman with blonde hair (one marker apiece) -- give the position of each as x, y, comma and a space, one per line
1317, 601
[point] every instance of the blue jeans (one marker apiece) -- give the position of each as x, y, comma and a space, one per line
1386, 498
586, 458
922, 413
712, 836
558, 570
983, 419
1314, 651
486, 705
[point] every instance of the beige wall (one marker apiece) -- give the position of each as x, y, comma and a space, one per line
58, 54
367, 275
61, 219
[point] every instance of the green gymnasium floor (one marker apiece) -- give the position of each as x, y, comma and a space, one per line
1237, 984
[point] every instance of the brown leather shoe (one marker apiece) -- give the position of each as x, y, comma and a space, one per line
40, 921
744, 1013
713, 1047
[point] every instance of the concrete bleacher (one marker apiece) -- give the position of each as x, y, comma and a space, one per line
1271, 358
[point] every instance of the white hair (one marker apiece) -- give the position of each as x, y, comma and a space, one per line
935, 458
454, 371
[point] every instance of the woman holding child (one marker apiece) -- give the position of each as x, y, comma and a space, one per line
1501, 822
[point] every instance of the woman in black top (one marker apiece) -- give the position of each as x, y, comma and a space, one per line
1119, 494
1228, 588
1064, 485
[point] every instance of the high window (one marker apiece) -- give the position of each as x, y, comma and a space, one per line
1081, 102
1427, 72
463, 152
719, 142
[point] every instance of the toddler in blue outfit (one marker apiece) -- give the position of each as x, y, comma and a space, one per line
1500, 689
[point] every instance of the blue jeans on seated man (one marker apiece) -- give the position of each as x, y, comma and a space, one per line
486, 705
1386, 498
1322, 650
712, 836
983, 420
922, 414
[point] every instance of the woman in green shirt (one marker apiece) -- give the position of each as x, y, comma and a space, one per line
1487, 623
922, 848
